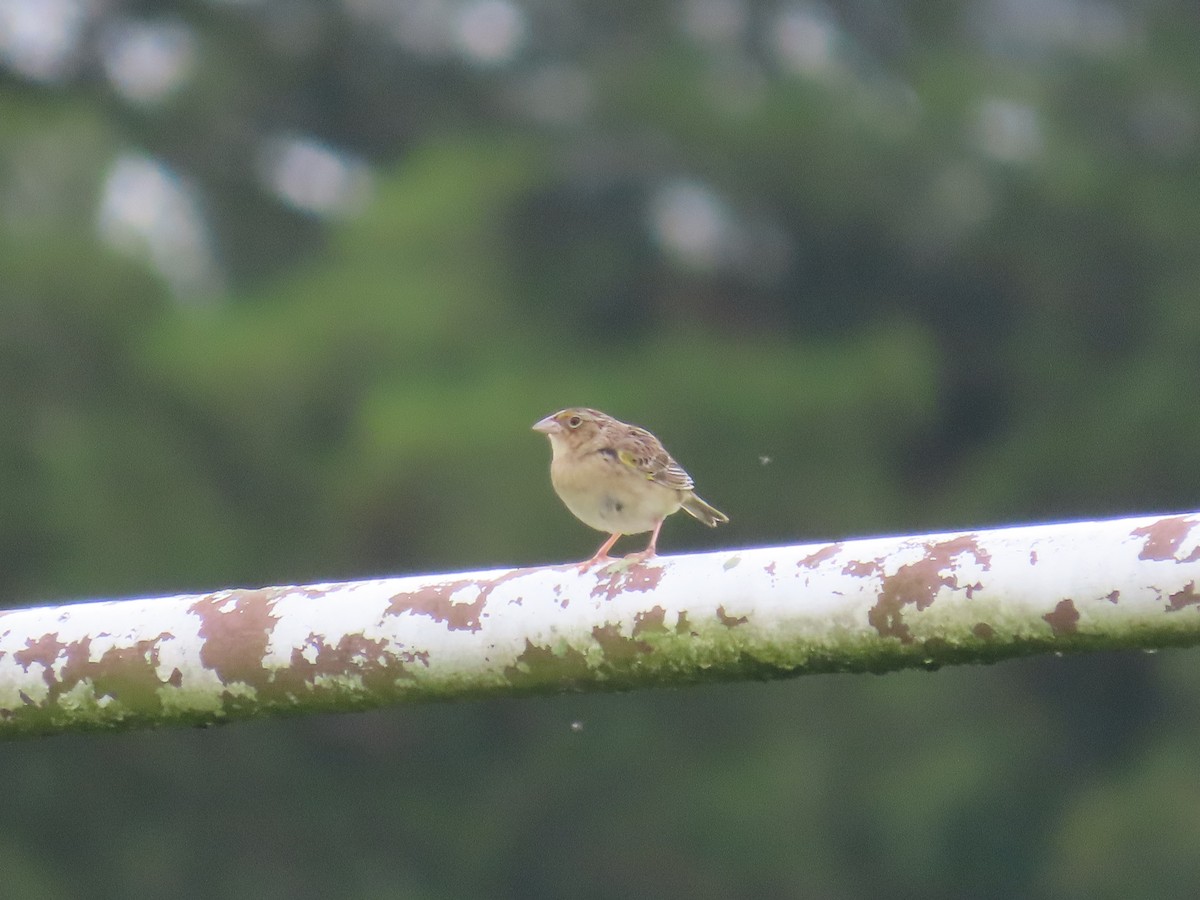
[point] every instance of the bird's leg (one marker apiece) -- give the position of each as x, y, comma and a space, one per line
650, 548
601, 554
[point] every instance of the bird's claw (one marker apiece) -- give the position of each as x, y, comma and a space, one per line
594, 561
632, 559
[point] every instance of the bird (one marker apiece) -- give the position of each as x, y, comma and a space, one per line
618, 478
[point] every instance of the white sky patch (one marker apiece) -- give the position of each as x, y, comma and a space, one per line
490, 32
147, 210
311, 176
690, 222
805, 38
39, 39
1008, 131
146, 61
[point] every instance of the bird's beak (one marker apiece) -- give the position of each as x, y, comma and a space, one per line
548, 425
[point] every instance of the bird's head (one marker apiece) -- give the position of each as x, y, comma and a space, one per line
572, 427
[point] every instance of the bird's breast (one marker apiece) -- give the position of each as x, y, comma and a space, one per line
607, 495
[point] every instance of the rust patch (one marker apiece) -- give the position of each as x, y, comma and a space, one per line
1033, 557
730, 621
435, 601
1113, 596
44, 650
236, 628
1064, 619
682, 625
769, 568
829, 551
76, 660
967, 543
858, 568
540, 665
918, 583
638, 577
1164, 537
652, 620
984, 631
1184, 598
617, 647
127, 674
353, 654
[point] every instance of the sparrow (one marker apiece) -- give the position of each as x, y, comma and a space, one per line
618, 478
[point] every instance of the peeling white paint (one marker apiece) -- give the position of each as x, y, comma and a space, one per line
879, 603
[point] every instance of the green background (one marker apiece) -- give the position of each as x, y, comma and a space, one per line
863, 267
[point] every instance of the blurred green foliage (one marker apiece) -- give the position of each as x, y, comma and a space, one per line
862, 268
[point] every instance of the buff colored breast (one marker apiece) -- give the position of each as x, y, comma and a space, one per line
607, 495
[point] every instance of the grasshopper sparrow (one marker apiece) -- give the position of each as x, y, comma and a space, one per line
617, 478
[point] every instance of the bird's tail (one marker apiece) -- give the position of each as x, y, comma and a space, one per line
709, 515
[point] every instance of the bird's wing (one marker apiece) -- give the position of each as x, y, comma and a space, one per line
641, 450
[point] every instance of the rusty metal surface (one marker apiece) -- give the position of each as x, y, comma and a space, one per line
866, 605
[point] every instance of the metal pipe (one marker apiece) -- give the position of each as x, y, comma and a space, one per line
872, 605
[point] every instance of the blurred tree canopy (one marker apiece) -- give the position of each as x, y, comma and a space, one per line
284, 283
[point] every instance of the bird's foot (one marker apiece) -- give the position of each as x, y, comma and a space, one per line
597, 560
601, 554
640, 556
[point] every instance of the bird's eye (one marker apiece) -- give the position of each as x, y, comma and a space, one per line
574, 422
